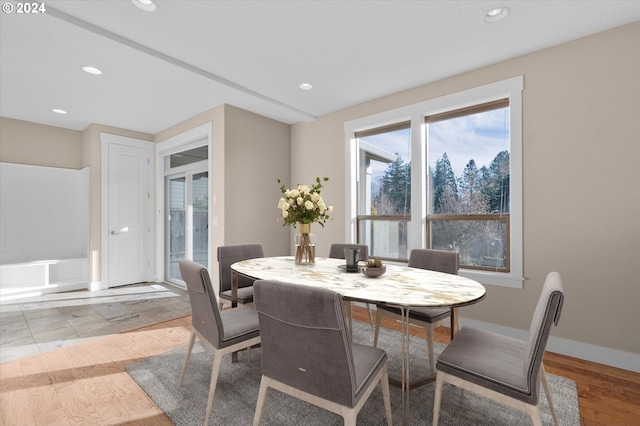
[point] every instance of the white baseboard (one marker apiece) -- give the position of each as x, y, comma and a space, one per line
601, 355
35, 291
97, 285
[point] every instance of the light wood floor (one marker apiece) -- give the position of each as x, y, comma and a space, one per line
86, 384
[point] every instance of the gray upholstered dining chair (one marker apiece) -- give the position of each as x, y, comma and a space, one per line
227, 256
429, 318
221, 332
336, 251
306, 352
502, 368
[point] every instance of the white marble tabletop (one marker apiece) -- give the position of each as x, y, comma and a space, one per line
400, 285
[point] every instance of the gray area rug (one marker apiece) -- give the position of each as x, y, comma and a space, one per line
237, 392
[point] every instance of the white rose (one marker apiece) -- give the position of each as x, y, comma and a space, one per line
291, 201
315, 197
304, 189
285, 214
308, 205
294, 193
330, 209
300, 200
282, 202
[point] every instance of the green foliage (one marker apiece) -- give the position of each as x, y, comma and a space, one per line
394, 194
477, 191
374, 263
443, 183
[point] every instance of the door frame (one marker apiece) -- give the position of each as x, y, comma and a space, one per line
106, 140
181, 142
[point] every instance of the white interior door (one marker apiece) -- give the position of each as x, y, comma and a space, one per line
129, 208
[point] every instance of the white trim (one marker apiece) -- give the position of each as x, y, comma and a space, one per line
187, 140
511, 88
600, 354
96, 285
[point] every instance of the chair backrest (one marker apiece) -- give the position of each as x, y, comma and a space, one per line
547, 311
305, 343
205, 316
435, 260
228, 255
337, 250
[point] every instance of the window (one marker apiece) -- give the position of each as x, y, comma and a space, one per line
460, 182
384, 200
468, 193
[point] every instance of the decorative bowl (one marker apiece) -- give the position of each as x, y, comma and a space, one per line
374, 272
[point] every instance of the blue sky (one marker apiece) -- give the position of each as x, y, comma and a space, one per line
479, 137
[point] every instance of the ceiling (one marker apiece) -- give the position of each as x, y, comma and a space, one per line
160, 68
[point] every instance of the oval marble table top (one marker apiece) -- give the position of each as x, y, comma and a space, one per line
400, 285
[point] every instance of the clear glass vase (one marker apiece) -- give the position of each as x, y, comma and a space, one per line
305, 245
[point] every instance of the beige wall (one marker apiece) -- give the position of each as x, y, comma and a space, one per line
255, 152
256, 156
581, 147
24, 142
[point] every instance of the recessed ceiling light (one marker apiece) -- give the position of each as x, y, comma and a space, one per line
148, 5
59, 111
496, 14
306, 86
92, 70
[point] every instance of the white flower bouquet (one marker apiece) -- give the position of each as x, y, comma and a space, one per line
304, 205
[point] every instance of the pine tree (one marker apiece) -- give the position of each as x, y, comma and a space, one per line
496, 183
445, 188
394, 195
473, 199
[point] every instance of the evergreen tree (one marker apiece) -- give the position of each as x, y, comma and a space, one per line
473, 199
496, 183
444, 186
394, 195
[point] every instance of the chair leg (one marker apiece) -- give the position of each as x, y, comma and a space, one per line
430, 336
215, 370
262, 397
377, 329
370, 315
534, 413
386, 396
547, 390
192, 340
437, 398
349, 418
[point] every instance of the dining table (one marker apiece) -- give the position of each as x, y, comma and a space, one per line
401, 286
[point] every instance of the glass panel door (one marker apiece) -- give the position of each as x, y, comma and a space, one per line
188, 222
176, 220
200, 195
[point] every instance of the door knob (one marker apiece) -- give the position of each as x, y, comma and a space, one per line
120, 231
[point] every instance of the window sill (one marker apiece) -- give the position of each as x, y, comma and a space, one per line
499, 279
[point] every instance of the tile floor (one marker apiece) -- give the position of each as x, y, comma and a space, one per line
39, 324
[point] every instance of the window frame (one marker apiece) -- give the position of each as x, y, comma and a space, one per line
433, 218
416, 113
363, 154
